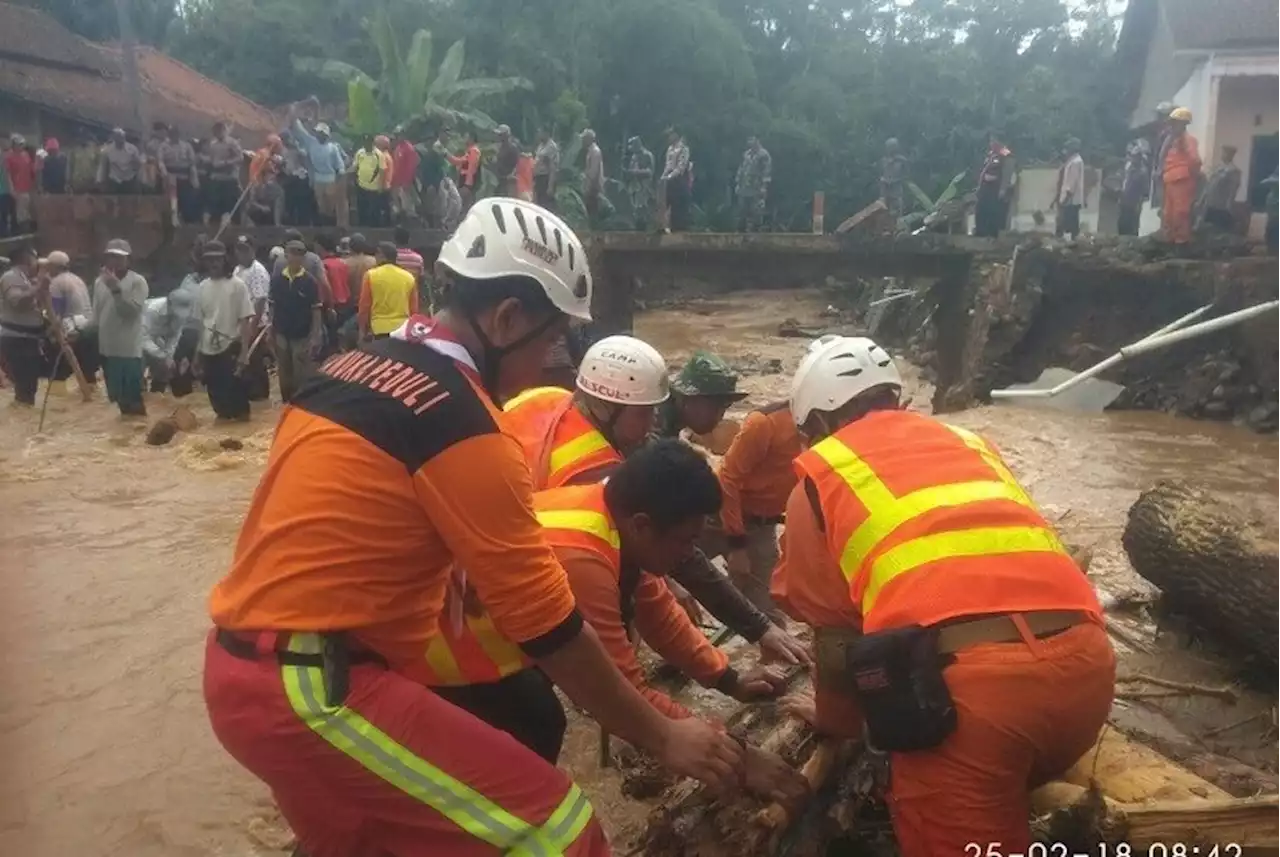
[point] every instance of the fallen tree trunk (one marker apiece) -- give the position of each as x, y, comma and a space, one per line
1129, 772
1211, 563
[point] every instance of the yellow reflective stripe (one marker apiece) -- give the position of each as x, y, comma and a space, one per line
378, 753
586, 522
993, 460
502, 652
533, 393
442, 662
568, 821
576, 450
886, 512
980, 541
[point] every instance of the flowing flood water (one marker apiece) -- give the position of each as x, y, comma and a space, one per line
109, 548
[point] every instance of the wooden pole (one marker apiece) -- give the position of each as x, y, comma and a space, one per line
59, 336
819, 209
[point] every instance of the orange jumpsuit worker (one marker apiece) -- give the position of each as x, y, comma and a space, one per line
1181, 175
468, 166
757, 475
948, 618
571, 439
386, 472
563, 435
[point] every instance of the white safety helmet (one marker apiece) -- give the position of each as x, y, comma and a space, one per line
624, 370
836, 369
502, 237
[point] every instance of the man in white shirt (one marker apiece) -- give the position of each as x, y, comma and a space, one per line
257, 279
1070, 190
226, 335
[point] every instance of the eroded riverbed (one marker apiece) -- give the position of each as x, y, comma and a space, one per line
110, 546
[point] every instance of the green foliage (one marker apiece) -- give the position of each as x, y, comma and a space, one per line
406, 90
823, 83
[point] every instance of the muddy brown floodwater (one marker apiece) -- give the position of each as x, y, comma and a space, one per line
108, 548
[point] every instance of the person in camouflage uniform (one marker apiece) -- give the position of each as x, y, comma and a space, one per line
700, 394
893, 174
752, 186
639, 175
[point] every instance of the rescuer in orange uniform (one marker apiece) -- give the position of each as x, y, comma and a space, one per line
757, 475
388, 470
563, 435
952, 628
1181, 175
571, 439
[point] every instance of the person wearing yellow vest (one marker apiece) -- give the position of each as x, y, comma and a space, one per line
575, 438
953, 630
388, 295
373, 167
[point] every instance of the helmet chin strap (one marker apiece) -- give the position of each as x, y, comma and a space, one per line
491, 355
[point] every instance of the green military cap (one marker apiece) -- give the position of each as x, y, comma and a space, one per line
707, 375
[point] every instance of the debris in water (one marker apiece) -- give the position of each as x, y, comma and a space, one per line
162, 431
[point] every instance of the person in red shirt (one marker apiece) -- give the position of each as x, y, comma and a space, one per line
404, 170
21, 168
339, 276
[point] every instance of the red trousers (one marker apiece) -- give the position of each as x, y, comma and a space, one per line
395, 771
1027, 713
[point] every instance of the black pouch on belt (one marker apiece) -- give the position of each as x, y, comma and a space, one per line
897, 676
336, 667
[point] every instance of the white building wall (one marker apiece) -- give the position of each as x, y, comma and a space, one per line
1232, 97
1036, 187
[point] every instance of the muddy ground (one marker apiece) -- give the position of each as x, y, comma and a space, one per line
110, 548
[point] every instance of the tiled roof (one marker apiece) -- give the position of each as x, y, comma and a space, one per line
1223, 24
44, 63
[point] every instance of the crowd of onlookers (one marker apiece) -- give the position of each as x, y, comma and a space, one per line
238, 311
306, 176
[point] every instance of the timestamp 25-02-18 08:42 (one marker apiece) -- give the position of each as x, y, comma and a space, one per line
1120, 849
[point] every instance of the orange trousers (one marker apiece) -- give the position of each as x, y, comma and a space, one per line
1027, 712
1179, 198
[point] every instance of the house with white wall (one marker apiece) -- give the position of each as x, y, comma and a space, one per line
1221, 60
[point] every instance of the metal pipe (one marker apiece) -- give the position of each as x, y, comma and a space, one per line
1156, 343
893, 297
1120, 356
1074, 380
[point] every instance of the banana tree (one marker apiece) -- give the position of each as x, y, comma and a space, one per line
407, 88
933, 209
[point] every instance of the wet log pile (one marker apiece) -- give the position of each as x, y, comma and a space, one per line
1212, 564
1120, 791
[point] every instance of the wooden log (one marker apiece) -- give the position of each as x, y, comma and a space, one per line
1212, 565
1248, 822
1129, 772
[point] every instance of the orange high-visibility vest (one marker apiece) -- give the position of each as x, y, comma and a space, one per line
573, 516
928, 524
558, 441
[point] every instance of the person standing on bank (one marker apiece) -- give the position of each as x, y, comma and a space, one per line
226, 335
639, 176
1070, 190
1135, 185
225, 159
1220, 193
546, 166
752, 185
995, 187
118, 298
295, 316
21, 325
675, 180
119, 165
1181, 175
592, 176
177, 159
